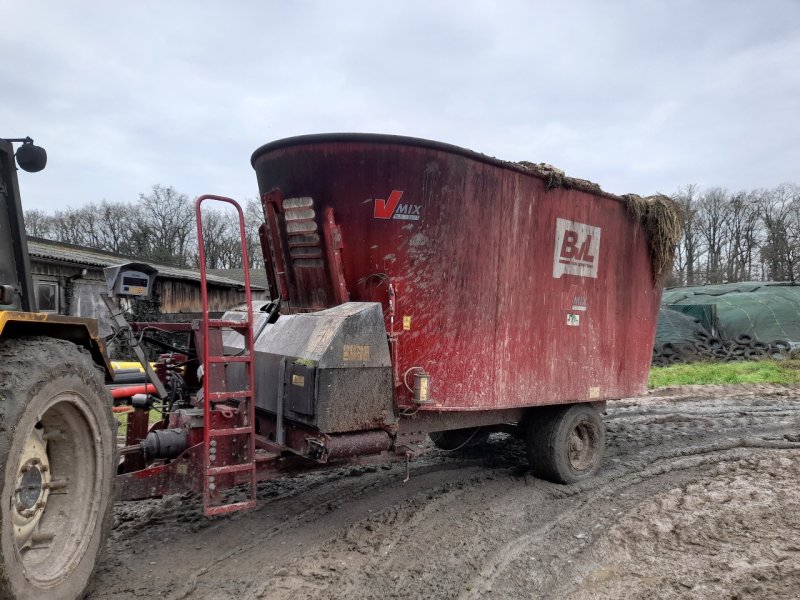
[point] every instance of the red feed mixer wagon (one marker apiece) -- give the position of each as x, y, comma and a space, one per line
418, 289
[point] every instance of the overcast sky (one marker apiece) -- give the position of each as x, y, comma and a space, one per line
639, 96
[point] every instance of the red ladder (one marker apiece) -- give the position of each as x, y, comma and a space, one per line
228, 432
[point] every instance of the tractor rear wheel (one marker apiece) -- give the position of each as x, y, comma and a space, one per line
565, 443
57, 455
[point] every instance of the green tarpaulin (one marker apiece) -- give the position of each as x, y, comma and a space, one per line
676, 328
767, 311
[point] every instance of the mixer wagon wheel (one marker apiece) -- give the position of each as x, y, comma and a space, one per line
456, 439
565, 443
57, 454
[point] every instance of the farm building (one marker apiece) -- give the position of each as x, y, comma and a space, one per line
69, 279
258, 277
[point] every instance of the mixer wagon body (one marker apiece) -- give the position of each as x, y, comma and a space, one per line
506, 290
418, 289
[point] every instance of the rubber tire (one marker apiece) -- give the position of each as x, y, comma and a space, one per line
781, 344
548, 434
33, 372
456, 439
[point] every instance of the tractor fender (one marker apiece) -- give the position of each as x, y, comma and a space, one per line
80, 331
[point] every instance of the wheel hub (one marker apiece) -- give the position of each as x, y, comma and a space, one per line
32, 490
31, 486
581, 446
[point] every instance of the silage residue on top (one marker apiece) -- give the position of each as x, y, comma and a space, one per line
659, 217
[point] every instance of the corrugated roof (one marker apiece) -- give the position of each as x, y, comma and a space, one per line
91, 257
258, 277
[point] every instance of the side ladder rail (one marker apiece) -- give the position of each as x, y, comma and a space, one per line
245, 415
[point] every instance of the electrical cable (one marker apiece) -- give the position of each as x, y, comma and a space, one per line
405, 378
467, 441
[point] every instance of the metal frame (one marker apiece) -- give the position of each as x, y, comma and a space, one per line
218, 431
18, 244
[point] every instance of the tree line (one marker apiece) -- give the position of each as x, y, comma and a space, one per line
729, 237
159, 228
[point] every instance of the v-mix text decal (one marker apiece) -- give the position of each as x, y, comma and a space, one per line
394, 209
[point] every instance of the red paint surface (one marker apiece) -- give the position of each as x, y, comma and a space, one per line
475, 273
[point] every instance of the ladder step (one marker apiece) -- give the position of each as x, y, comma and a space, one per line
230, 431
216, 396
241, 467
219, 324
230, 359
222, 509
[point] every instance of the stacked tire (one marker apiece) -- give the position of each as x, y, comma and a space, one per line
706, 347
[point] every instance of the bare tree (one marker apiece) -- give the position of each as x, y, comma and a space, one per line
712, 221
774, 207
166, 222
221, 237
792, 255
742, 237
254, 217
689, 249
108, 226
38, 223
68, 227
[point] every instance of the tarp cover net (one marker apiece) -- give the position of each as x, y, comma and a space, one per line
765, 311
678, 328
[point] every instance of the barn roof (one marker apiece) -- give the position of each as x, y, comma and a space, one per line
258, 277
80, 256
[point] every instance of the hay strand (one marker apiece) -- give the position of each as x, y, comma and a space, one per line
659, 218
556, 178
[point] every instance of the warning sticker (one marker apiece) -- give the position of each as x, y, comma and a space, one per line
406, 323
355, 353
573, 320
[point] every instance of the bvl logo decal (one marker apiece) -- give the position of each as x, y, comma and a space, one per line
577, 249
394, 209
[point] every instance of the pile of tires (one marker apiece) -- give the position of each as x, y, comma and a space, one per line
706, 347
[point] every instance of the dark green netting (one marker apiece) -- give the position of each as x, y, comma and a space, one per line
705, 313
677, 328
766, 311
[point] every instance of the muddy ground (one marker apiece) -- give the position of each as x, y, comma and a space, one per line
698, 498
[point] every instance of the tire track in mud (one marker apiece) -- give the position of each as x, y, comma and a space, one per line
319, 492
319, 508
306, 499
461, 527
687, 460
631, 474
735, 534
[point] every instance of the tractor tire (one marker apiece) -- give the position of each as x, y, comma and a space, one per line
57, 458
456, 439
565, 443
